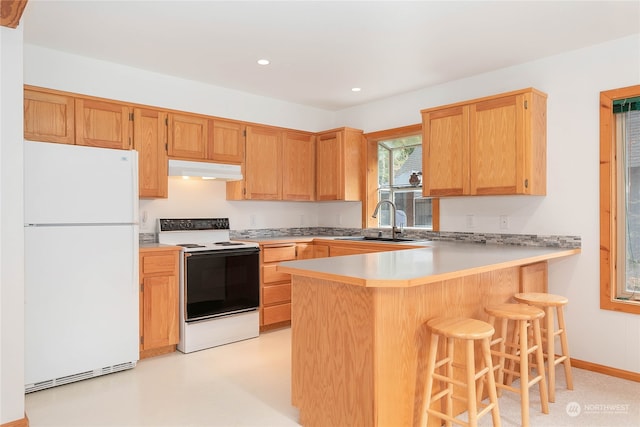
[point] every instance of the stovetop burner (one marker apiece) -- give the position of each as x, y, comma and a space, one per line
199, 234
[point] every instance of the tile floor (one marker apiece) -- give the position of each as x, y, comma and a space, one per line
248, 384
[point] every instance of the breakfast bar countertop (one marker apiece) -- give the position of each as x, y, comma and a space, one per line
435, 262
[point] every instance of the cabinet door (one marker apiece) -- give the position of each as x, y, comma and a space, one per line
226, 141
329, 176
445, 151
102, 124
263, 164
150, 140
298, 171
534, 277
160, 312
305, 251
48, 117
496, 145
188, 136
320, 251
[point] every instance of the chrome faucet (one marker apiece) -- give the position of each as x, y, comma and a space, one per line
395, 232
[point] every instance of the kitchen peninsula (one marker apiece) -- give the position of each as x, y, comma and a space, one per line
358, 339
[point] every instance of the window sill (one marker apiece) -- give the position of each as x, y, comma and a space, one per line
620, 305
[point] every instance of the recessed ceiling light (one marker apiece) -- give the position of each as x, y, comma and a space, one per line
263, 61
355, 89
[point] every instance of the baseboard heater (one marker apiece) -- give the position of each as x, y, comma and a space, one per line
29, 388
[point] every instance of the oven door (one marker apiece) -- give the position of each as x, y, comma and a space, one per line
221, 282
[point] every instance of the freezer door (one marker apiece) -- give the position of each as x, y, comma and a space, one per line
67, 184
81, 299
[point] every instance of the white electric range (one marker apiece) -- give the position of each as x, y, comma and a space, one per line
219, 282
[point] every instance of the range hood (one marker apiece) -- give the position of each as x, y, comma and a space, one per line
206, 170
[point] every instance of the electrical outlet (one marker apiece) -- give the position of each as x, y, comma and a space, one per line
504, 222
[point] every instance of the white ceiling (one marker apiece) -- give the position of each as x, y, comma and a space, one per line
319, 50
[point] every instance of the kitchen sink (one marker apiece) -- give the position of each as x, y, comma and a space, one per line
376, 239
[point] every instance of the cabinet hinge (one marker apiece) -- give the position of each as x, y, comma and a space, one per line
526, 183
141, 287
526, 104
141, 340
244, 133
130, 116
166, 147
166, 121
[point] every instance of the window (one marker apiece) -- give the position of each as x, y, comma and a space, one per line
398, 177
620, 199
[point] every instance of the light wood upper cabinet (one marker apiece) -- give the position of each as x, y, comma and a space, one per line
490, 146
188, 136
263, 163
445, 143
340, 165
298, 171
150, 140
226, 141
48, 117
103, 124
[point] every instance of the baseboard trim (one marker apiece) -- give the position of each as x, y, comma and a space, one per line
22, 422
601, 369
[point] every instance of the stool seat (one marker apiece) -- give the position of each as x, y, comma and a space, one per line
461, 328
515, 311
541, 299
551, 303
461, 334
526, 320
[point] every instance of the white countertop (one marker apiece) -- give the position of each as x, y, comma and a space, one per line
413, 267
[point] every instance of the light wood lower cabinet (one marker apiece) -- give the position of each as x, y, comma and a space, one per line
275, 301
159, 329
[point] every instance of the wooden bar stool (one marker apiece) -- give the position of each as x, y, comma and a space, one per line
468, 331
548, 302
518, 350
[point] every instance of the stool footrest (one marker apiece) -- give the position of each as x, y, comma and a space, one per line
448, 380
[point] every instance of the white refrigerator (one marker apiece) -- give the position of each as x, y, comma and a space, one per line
81, 263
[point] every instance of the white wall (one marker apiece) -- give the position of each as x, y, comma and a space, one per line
201, 198
11, 228
73, 73
573, 82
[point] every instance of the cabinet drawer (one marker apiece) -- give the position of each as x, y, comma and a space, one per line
270, 275
158, 264
276, 313
279, 253
276, 293
339, 251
